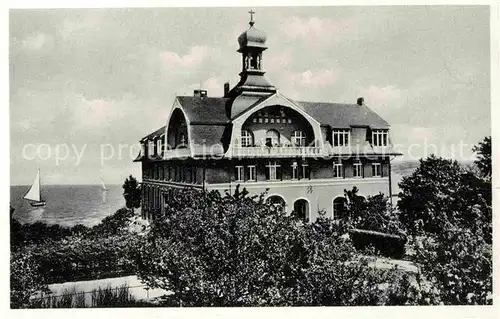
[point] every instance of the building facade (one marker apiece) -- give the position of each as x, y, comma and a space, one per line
302, 154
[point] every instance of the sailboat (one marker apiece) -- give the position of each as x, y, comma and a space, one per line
34, 195
103, 186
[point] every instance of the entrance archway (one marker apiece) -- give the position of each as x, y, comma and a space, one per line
340, 208
277, 202
301, 209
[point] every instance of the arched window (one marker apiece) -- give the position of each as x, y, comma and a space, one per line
298, 138
277, 203
272, 138
340, 209
246, 138
301, 209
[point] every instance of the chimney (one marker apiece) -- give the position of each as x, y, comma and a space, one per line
200, 93
360, 101
226, 89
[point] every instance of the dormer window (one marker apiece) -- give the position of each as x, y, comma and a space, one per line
341, 137
380, 137
159, 147
298, 138
151, 148
246, 138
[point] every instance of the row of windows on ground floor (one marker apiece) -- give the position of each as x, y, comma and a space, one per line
154, 198
273, 170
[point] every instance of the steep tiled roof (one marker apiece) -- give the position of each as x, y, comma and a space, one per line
209, 124
204, 109
207, 134
158, 132
342, 115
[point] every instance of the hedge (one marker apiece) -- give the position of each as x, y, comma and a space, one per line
385, 244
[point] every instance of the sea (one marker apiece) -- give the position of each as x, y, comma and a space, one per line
69, 205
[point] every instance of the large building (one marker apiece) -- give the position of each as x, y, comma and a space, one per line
304, 153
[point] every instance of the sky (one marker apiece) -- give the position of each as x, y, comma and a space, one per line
86, 84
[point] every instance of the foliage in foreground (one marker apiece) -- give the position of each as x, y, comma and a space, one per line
98, 298
26, 279
373, 222
39, 257
213, 250
450, 207
459, 266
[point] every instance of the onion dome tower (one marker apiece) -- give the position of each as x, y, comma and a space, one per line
252, 43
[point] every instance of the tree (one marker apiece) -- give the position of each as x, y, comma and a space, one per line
451, 207
438, 193
233, 250
355, 204
132, 193
483, 161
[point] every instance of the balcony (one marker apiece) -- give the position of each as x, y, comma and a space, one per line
277, 151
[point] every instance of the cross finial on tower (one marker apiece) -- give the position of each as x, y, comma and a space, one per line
251, 17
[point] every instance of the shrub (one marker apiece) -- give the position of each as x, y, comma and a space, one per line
213, 250
385, 244
26, 279
459, 266
378, 215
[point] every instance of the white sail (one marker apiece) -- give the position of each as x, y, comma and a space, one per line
103, 186
34, 192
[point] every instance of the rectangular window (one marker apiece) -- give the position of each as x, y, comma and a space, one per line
305, 173
341, 137
273, 171
376, 170
194, 173
251, 173
240, 176
151, 149
358, 169
338, 170
295, 170
158, 147
380, 137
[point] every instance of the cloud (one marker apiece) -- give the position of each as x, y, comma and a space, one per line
319, 30
382, 96
24, 124
277, 60
38, 42
76, 26
214, 86
309, 84
95, 112
192, 59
